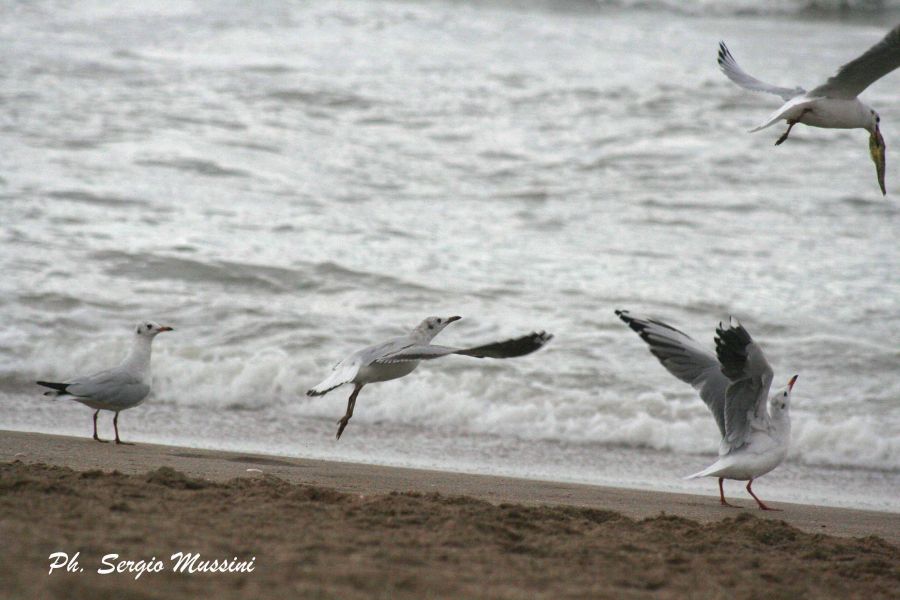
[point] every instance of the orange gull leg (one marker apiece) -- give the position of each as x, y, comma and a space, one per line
722, 499
762, 506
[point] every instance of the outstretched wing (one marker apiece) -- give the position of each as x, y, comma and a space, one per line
858, 74
735, 73
744, 364
685, 359
506, 349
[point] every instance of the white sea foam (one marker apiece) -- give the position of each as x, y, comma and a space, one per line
466, 397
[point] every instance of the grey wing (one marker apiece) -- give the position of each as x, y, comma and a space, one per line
511, 348
115, 386
736, 74
685, 359
744, 364
347, 370
858, 74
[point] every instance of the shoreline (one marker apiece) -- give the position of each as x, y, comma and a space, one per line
84, 519
83, 454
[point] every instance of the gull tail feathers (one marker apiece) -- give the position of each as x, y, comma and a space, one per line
790, 110
341, 374
59, 389
324, 387
707, 472
337, 378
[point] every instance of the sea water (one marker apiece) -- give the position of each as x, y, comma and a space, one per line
286, 183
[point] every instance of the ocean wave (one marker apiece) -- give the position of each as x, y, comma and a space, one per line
758, 7
104, 200
494, 399
327, 277
194, 165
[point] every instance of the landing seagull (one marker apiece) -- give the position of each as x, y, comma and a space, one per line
834, 104
734, 384
400, 356
116, 389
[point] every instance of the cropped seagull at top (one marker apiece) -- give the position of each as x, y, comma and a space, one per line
734, 383
834, 104
116, 389
401, 355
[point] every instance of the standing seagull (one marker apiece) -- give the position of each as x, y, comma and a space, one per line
834, 104
401, 355
118, 388
734, 384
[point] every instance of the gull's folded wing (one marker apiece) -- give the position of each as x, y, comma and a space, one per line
860, 73
506, 349
115, 386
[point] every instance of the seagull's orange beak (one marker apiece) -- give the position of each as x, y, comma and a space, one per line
164, 328
791, 382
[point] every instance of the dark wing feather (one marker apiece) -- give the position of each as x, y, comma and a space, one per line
59, 387
506, 349
860, 73
509, 348
746, 367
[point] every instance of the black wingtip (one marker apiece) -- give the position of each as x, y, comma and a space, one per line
724, 54
637, 326
731, 347
60, 387
534, 341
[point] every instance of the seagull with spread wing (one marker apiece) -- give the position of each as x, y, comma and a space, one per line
734, 383
116, 389
834, 104
400, 356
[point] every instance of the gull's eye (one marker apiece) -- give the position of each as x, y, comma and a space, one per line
439, 321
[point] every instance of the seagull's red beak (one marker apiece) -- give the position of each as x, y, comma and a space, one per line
791, 382
164, 328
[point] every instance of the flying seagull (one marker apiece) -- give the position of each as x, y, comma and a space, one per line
116, 389
400, 356
734, 384
834, 104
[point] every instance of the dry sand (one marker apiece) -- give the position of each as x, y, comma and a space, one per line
338, 530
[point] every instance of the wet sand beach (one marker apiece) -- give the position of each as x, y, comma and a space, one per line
343, 530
